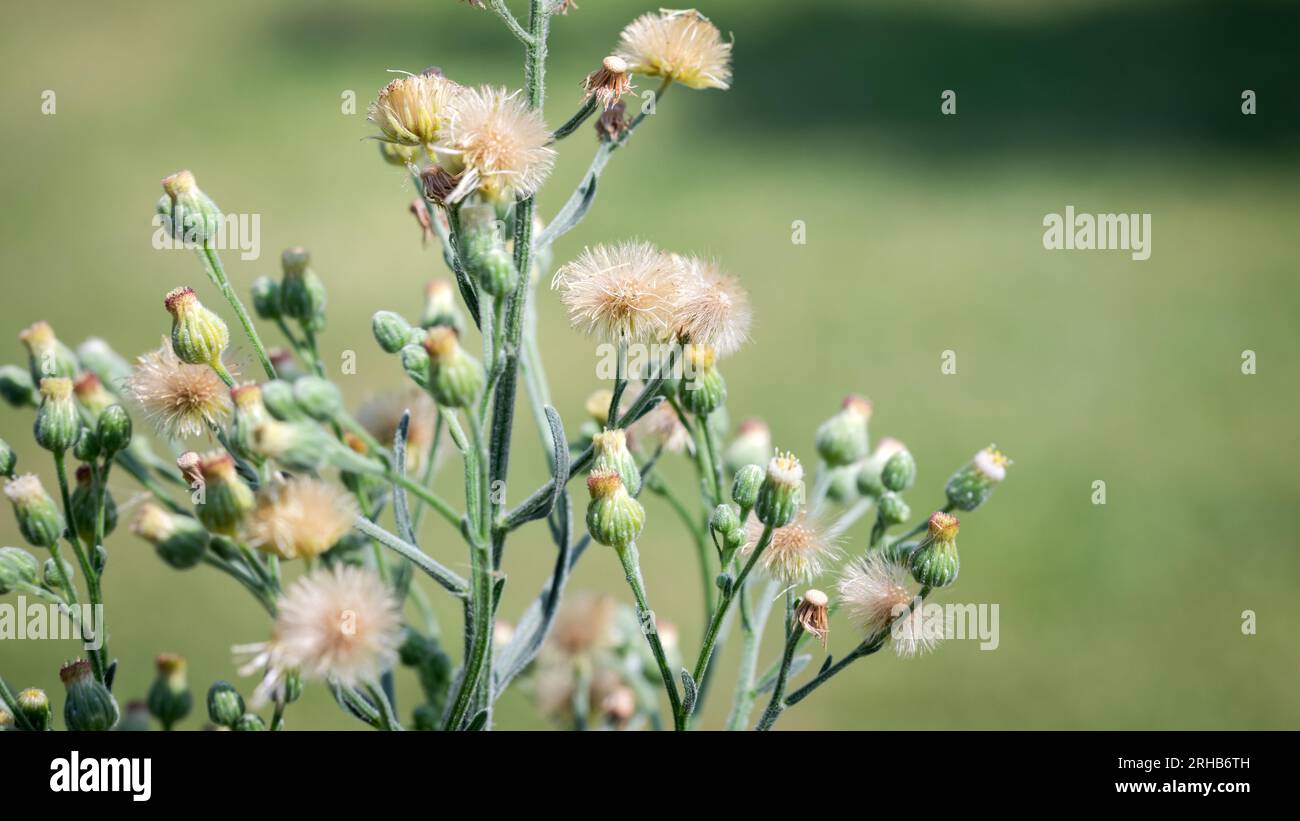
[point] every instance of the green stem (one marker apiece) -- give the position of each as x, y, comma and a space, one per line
501, 10
714, 473
575, 122
387, 717
87, 570
434, 569
715, 624
444, 509
632, 569
776, 705
217, 273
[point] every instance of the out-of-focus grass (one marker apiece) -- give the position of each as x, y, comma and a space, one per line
924, 235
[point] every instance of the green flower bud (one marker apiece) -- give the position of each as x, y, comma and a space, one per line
703, 390
398, 155
900, 553
744, 488
391, 331
225, 499
86, 448
8, 460
935, 562
842, 439
16, 386
38, 519
57, 422
108, 365
497, 273
89, 705
752, 446
614, 518
85, 506
113, 430
249, 412
46, 355
302, 293
441, 307
318, 398
733, 540
266, 298
92, 396
50, 577
179, 540
225, 704
199, 336
842, 484
893, 510
611, 453
869, 475
415, 361
278, 398
169, 697
427, 718
724, 519
34, 705
135, 718
190, 214
971, 486
249, 722
298, 446
17, 566
455, 377
6, 720
782, 491
900, 472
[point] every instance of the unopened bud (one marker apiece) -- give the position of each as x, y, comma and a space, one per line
17, 567
169, 698
89, 704
57, 422
266, 298
38, 519
842, 439
936, 563
391, 331
199, 336
614, 518
225, 705
611, 453
455, 377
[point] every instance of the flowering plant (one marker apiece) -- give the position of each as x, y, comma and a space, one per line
291, 477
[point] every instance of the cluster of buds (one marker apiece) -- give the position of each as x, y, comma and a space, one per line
298, 296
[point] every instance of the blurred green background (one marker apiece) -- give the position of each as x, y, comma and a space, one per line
923, 235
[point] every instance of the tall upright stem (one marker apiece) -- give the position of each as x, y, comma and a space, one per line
632, 568
715, 624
